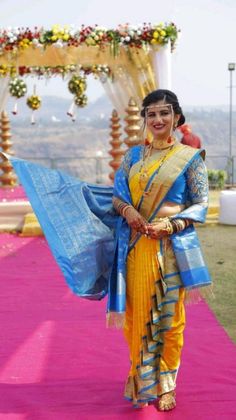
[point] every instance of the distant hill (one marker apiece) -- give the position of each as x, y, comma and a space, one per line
55, 138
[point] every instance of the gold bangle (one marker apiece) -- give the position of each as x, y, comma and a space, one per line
123, 211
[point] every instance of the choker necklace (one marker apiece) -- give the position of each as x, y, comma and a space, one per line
163, 144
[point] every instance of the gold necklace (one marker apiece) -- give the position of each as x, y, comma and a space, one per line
163, 144
143, 170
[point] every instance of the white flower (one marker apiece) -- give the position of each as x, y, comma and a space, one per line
131, 33
59, 44
127, 38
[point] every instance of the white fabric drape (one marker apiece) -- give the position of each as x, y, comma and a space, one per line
4, 92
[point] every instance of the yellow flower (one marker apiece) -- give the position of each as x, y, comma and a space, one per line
65, 37
55, 29
154, 41
90, 41
54, 38
163, 33
155, 34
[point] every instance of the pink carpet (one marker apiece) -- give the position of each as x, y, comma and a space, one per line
12, 193
59, 362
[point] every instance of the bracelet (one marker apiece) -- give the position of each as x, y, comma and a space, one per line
179, 224
125, 208
168, 225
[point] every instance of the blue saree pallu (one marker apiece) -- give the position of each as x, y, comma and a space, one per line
89, 241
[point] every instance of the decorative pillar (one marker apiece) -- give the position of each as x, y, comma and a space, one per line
116, 152
7, 178
133, 126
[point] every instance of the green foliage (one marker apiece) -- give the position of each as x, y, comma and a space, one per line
216, 178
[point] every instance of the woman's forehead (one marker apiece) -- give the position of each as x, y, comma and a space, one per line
159, 106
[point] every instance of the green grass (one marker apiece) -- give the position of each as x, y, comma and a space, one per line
219, 248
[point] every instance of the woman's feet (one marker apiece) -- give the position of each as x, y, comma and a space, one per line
167, 401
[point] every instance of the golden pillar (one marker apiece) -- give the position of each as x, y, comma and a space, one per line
116, 152
7, 178
133, 125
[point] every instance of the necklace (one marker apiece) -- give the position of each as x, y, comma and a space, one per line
163, 144
143, 170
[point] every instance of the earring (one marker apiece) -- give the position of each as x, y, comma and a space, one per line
175, 125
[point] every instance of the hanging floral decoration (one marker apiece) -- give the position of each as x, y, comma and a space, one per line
34, 102
16, 39
81, 100
77, 86
17, 89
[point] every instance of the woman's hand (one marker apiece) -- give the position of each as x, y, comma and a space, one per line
135, 220
157, 230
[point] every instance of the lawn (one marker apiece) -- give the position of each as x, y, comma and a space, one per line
219, 247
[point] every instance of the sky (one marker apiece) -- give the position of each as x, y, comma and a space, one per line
207, 43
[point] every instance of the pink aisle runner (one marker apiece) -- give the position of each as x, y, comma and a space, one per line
59, 362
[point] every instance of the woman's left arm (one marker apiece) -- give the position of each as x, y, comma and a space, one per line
197, 192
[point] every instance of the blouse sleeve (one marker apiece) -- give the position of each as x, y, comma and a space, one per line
197, 182
197, 192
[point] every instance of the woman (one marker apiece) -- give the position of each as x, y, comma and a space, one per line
143, 251
159, 191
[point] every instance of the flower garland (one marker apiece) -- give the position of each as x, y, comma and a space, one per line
99, 70
139, 36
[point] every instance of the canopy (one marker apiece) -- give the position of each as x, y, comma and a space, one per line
138, 57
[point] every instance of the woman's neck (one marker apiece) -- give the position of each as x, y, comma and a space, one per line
161, 144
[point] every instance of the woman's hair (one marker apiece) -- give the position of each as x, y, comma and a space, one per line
169, 98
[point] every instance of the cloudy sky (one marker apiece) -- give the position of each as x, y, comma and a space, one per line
199, 63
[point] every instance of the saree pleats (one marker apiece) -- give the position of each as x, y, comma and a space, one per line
154, 324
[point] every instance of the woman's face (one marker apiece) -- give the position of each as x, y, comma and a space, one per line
160, 119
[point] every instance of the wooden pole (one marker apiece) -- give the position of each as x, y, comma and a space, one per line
7, 178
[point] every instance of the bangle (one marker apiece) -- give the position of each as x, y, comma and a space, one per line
168, 225
124, 209
179, 224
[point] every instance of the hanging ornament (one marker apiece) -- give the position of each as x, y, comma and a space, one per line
34, 102
71, 110
81, 100
17, 89
77, 85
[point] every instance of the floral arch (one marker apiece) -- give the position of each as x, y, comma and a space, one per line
130, 61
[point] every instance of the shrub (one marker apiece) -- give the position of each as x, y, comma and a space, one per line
216, 178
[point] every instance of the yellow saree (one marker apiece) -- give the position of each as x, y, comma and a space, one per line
155, 317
